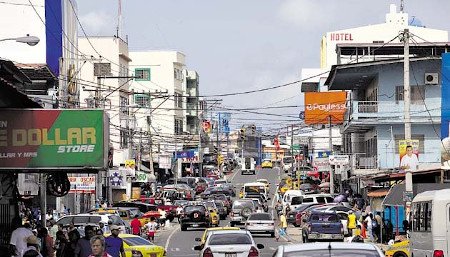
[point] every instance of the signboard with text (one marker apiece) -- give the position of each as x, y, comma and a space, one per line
322, 106
339, 159
53, 139
409, 154
82, 184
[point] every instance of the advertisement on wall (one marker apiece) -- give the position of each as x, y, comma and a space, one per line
53, 139
321, 106
409, 154
445, 111
84, 185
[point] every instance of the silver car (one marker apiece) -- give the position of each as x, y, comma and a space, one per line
260, 223
240, 211
335, 249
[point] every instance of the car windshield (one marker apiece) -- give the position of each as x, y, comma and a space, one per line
194, 208
324, 217
333, 253
260, 216
242, 204
210, 204
297, 200
135, 241
230, 239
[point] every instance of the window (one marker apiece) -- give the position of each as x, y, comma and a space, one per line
123, 138
417, 94
230, 239
421, 220
178, 100
124, 105
141, 100
178, 127
142, 74
178, 74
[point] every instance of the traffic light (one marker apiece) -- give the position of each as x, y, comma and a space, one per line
253, 129
242, 133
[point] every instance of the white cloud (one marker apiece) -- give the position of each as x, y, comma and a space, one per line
97, 23
305, 13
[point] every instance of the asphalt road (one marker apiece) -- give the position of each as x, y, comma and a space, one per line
181, 243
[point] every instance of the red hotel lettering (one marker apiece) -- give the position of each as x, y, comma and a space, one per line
341, 37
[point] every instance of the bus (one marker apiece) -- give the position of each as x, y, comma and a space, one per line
430, 224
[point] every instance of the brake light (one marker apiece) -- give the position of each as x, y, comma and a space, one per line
438, 253
253, 252
208, 253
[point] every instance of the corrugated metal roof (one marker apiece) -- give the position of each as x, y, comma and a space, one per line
395, 196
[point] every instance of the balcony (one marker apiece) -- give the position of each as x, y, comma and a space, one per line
365, 114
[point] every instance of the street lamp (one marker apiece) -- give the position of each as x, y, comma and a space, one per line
29, 40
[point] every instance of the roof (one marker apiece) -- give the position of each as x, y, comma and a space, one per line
325, 245
395, 196
378, 192
349, 76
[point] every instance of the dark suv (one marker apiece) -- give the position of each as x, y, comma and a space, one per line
194, 216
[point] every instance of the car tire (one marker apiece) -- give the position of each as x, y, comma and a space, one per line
272, 234
399, 254
183, 228
246, 212
231, 224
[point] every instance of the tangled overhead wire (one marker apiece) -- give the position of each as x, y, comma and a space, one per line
58, 184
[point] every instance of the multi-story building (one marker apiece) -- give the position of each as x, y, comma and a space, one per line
192, 102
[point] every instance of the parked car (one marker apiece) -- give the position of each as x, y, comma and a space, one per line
229, 243
322, 226
260, 223
335, 249
84, 219
240, 211
194, 216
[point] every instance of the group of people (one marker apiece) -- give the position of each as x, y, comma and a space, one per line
26, 242
368, 226
150, 227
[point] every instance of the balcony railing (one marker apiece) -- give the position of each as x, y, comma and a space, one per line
391, 111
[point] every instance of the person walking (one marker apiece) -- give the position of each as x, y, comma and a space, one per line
83, 248
46, 243
97, 247
61, 244
369, 226
351, 223
73, 236
151, 229
136, 226
283, 225
114, 244
19, 236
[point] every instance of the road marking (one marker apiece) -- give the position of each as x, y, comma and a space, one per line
232, 177
170, 237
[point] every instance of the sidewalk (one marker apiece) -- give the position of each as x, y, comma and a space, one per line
294, 234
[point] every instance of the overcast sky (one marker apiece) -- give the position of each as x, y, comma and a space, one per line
238, 45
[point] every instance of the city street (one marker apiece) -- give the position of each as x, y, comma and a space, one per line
181, 243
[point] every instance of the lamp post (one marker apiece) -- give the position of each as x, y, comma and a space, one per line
29, 40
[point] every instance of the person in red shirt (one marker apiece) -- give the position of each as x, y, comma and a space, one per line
136, 226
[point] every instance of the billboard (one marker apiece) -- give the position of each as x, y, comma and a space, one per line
53, 139
445, 111
82, 185
319, 106
409, 154
224, 122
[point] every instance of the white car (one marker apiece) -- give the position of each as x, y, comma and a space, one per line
229, 243
260, 223
335, 249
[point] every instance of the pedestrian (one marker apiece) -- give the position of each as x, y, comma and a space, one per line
283, 224
351, 223
162, 218
33, 245
19, 236
369, 226
380, 227
74, 236
102, 229
61, 244
46, 243
389, 230
83, 247
136, 226
97, 247
151, 229
114, 244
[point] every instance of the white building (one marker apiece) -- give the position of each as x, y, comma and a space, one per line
162, 77
105, 84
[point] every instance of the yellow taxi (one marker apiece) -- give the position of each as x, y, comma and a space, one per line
267, 164
202, 240
138, 246
399, 249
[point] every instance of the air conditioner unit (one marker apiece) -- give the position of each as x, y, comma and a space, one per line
431, 78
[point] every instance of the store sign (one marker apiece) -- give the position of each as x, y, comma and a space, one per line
339, 159
322, 164
320, 107
185, 154
82, 184
118, 178
164, 162
53, 139
141, 177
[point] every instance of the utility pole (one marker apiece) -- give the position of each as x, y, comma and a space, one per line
331, 150
407, 114
217, 141
149, 131
200, 155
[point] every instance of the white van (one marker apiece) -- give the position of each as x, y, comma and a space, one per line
288, 195
255, 188
430, 224
313, 198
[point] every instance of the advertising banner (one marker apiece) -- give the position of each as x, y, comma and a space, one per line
224, 122
82, 184
445, 111
319, 106
409, 154
118, 178
339, 159
164, 161
206, 125
53, 139
322, 164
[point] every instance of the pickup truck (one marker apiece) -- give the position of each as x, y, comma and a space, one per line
322, 225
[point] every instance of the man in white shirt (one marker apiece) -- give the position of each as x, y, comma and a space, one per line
409, 161
19, 238
368, 223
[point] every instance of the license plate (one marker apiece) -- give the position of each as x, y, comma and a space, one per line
230, 254
195, 225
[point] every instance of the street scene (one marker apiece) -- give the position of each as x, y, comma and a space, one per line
294, 128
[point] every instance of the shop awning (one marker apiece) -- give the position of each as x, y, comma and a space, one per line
382, 192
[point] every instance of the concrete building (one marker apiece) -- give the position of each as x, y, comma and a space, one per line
191, 89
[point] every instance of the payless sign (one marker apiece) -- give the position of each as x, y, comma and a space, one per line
53, 139
319, 106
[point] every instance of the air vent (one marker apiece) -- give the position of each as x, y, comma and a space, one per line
431, 78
